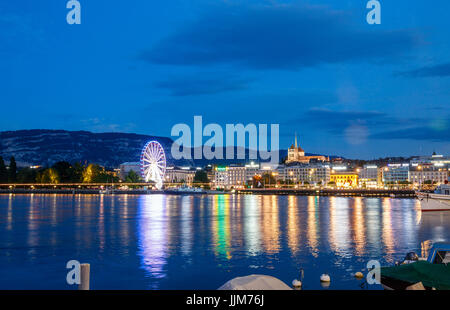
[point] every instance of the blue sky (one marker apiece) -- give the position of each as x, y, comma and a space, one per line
314, 67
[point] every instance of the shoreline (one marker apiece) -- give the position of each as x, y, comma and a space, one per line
278, 192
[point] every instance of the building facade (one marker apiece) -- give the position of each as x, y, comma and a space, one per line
125, 168
370, 176
344, 178
304, 174
179, 175
427, 175
396, 174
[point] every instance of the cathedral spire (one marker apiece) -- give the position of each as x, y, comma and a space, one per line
296, 140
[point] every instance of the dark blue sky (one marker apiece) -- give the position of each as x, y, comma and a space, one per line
315, 67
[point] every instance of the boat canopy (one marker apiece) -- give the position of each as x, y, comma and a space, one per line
431, 275
439, 253
255, 282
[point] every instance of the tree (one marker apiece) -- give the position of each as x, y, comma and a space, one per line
201, 177
78, 169
48, 176
12, 172
94, 173
257, 181
3, 171
91, 173
132, 177
27, 175
268, 179
65, 171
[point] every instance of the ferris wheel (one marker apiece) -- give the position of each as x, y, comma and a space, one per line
153, 163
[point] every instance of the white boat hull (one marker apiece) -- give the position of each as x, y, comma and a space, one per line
434, 202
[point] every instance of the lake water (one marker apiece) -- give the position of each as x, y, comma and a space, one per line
200, 242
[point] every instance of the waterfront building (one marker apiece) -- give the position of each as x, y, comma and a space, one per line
313, 174
396, 174
126, 167
297, 155
344, 178
370, 176
251, 170
236, 176
435, 159
428, 174
220, 177
180, 175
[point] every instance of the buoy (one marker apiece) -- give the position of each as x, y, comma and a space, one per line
325, 285
296, 283
325, 278
359, 275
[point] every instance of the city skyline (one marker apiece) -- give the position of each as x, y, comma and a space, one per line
314, 67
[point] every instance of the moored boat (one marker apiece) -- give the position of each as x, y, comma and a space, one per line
437, 201
185, 190
433, 273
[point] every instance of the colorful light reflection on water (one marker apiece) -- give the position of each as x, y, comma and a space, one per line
200, 242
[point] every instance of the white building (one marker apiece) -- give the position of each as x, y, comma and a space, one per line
422, 174
179, 175
125, 168
370, 176
230, 176
305, 174
435, 159
220, 177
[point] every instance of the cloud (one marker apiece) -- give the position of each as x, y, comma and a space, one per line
339, 121
202, 84
358, 126
416, 133
277, 37
435, 130
430, 71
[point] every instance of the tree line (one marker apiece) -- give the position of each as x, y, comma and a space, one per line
60, 172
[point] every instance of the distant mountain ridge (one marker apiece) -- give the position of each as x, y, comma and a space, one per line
45, 147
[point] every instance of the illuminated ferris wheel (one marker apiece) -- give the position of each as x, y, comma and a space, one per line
153, 163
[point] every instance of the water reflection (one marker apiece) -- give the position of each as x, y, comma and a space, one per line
312, 229
171, 237
221, 226
339, 232
358, 225
252, 234
387, 234
270, 224
153, 234
293, 226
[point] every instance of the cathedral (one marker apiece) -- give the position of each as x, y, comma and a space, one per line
297, 155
